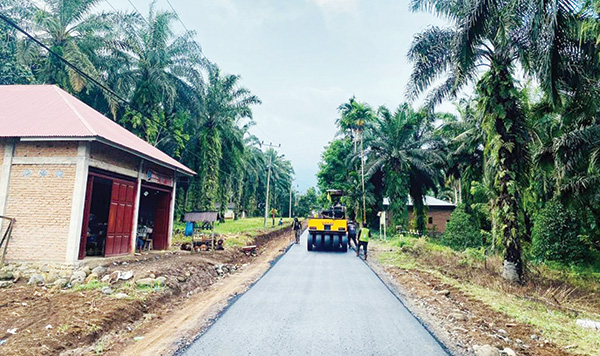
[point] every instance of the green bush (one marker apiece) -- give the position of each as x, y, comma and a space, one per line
462, 231
555, 235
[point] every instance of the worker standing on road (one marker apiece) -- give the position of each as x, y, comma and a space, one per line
352, 234
363, 240
297, 228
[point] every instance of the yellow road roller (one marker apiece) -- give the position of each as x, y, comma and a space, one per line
328, 230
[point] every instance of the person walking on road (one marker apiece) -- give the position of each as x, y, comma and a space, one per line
363, 240
297, 229
352, 234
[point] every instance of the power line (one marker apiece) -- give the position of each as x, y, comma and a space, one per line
184, 27
66, 62
136, 10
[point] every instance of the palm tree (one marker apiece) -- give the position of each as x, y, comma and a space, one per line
12, 70
223, 104
281, 179
465, 139
402, 144
158, 68
70, 29
497, 35
354, 116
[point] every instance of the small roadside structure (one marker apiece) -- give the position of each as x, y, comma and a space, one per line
229, 213
438, 213
77, 183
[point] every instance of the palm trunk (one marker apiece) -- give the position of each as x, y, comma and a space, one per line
210, 181
505, 125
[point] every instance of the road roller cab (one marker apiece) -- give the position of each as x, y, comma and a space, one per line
328, 231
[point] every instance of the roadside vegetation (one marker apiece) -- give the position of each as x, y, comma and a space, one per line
157, 84
552, 299
518, 156
235, 233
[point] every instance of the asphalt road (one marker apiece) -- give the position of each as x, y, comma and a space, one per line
317, 303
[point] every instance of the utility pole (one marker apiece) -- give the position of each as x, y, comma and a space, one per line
268, 180
291, 189
362, 169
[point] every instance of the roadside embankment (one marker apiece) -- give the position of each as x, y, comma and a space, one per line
118, 307
464, 301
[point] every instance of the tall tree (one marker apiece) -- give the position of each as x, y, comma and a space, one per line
12, 70
496, 35
72, 30
223, 104
354, 116
402, 144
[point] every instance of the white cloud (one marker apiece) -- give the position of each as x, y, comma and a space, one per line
350, 6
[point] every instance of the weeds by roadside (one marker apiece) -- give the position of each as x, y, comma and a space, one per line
551, 300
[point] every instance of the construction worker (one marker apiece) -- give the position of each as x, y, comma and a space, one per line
363, 239
352, 234
297, 229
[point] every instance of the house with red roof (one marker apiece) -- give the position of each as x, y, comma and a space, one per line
77, 183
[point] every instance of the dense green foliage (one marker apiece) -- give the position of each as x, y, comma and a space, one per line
177, 100
555, 235
462, 231
521, 157
307, 203
514, 145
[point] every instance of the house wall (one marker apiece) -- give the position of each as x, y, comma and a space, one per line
111, 159
46, 149
439, 217
42, 186
1, 155
40, 199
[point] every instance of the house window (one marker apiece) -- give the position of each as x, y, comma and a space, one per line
431, 220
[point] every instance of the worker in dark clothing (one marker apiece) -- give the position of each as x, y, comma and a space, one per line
297, 229
352, 234
363, 240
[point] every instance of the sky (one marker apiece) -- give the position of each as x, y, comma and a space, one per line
303, 58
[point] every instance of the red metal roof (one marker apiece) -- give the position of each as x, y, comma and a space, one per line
46, 111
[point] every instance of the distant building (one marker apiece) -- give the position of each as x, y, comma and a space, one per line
438, 213
229, 213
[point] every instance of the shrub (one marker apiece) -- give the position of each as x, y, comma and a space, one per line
555, 235
462, 231
472, 256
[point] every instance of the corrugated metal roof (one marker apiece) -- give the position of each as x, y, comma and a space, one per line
46, 111
431, 201
200, 216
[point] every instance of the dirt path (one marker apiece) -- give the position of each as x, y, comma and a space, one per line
182, 326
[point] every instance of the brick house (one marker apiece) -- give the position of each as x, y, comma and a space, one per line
438, 213
77, 183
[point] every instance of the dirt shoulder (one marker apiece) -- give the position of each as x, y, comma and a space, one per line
453, 302
132, 318
197, 313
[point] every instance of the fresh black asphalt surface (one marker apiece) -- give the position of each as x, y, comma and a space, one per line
317, 303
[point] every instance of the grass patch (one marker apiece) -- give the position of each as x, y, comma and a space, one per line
526, 304
250, 226
556, 325
91, 285
236, 232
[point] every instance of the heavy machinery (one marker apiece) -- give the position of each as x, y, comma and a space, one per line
328, 230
